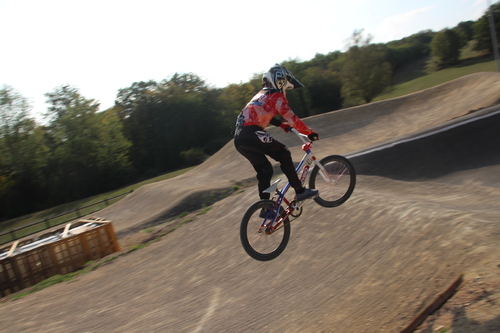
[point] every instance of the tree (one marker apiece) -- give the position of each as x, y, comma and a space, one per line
482, 33
190, 117
61, 99
465, 29
183, 83
89, 150
407, 50
14, 109
128, 99
178, 114
323, 87
23, 155
445, 48
365, 71
233, 99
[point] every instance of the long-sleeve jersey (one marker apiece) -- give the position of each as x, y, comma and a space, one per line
264, 106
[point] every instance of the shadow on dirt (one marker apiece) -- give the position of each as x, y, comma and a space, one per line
189, 204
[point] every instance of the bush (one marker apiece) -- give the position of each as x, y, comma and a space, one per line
193, 156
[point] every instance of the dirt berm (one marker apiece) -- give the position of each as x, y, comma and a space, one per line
424, 212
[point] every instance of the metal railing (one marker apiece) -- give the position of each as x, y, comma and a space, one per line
55, 220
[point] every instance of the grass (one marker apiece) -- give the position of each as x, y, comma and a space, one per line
444, 330
466, 67
204, 210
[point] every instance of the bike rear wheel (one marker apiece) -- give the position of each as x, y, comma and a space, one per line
342, 181
262, 243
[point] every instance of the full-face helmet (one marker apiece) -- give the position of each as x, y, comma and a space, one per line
280, 78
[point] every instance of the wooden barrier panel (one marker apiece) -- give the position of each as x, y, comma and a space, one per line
60, 252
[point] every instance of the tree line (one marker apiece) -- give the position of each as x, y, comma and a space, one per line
157, 127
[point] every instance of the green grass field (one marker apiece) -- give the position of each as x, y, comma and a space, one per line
437, 78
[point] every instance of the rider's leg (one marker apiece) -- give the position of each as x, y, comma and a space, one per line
254, 144
264, 176
277, 151
262, 167
283, 155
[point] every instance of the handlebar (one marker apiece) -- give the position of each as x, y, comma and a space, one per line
300, 135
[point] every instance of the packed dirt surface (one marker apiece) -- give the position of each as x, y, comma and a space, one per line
425, 212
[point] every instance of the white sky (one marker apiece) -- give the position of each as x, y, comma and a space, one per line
100, 46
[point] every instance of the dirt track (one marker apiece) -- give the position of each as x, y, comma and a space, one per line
370, 265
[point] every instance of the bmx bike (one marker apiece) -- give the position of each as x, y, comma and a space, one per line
265, 226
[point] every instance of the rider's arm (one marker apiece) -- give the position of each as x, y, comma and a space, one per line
292, 119
278, 123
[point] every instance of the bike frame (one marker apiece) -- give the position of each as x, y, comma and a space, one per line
273, 217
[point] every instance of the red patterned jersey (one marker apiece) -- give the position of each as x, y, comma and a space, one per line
267, 104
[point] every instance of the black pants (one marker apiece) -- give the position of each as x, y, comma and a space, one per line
254, 143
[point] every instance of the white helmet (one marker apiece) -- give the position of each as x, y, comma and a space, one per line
280, 78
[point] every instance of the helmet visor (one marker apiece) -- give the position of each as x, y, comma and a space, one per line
296, 83
293, 83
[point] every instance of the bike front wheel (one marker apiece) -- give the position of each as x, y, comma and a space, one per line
339, 183
260, 240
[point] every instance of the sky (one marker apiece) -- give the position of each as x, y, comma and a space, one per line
101, 46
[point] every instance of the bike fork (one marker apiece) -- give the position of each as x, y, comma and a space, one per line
324, 173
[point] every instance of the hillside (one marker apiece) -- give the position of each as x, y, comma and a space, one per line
423, 213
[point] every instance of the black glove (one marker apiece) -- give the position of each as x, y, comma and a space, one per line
313, 136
